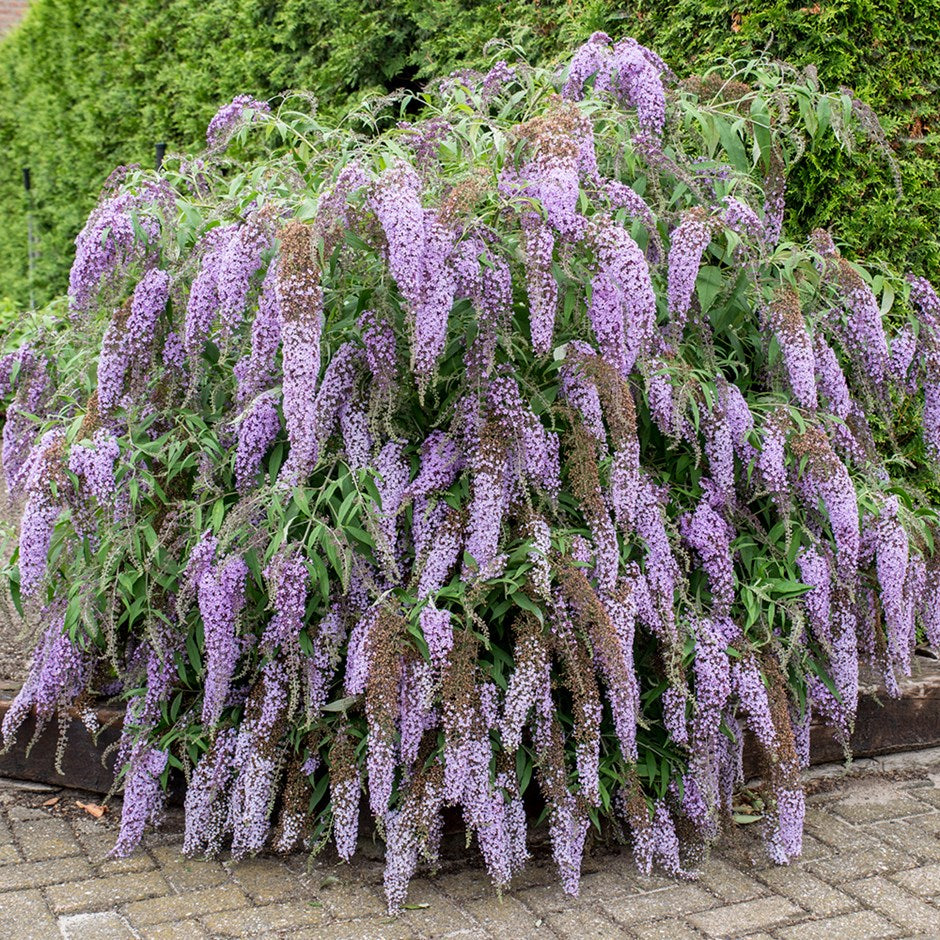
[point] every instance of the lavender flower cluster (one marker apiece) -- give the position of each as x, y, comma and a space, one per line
506, 445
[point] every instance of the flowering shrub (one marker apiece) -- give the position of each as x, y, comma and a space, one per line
418, 460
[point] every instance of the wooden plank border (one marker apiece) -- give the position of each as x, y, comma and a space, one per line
87, 760
883, 726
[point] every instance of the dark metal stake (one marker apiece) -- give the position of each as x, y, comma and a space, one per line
160, 153
30, 242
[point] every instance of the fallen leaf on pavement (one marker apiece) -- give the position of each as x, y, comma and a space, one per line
52, 801
93, 809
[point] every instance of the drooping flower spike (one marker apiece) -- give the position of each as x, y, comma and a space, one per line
507, 448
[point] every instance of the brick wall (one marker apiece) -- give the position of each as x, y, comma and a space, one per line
11, 12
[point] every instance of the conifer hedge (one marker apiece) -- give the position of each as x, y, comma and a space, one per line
86, 86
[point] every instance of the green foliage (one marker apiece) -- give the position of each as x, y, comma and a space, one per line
85, 86
888, 52
148, 458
